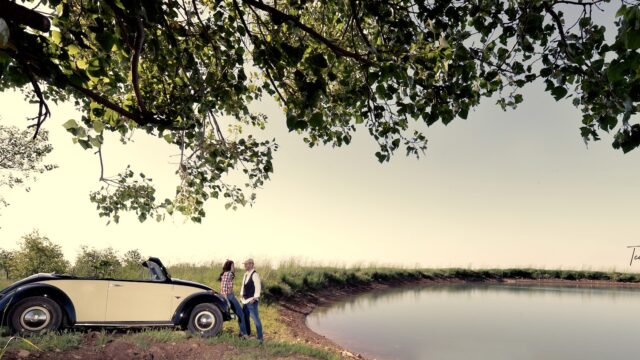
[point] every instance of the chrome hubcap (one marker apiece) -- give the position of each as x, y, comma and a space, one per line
35, 318
205, 320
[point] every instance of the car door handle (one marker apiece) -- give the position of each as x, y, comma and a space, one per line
115, 285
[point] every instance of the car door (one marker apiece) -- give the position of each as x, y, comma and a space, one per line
139, 302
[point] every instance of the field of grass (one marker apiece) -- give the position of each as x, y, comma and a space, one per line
289, 279
292, 277
247, 349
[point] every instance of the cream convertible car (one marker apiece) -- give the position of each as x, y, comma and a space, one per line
50, 301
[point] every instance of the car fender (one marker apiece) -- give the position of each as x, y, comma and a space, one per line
181, 315
36, 289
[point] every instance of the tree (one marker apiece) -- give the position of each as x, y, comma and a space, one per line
131, 266
22, 156
132, 259
6, 262
97, 263
36, 254
182, 70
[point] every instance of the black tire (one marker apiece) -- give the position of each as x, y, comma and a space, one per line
205, 320
35, 315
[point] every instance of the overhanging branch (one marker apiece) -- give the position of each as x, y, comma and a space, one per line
135, 61
21, 15
311, 32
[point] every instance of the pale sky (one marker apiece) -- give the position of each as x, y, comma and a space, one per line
517, 188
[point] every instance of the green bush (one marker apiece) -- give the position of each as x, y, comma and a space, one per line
627, 278
35, 254
518, 273
97, 263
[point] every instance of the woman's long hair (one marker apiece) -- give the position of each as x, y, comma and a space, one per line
226, 267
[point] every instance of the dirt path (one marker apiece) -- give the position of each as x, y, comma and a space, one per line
118, 349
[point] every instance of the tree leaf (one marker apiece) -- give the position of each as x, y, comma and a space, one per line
70, 124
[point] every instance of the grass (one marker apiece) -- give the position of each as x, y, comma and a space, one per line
246, 349
5, 282
147, 337
291, 278
103, 338
48, 342
252, 349
143, 339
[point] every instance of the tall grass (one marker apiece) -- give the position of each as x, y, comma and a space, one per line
292, 277
295, 277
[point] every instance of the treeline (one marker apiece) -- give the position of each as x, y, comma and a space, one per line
36, 253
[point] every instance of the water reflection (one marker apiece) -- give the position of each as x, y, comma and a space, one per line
485, 322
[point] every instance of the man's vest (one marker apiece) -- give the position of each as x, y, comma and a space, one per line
249, 288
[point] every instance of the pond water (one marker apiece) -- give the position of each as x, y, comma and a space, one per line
486, 322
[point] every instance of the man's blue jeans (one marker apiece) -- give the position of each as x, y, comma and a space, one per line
251, 310
235, 305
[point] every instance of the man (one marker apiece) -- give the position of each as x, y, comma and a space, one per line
250, 294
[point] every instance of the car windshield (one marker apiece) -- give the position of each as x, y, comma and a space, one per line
155, 272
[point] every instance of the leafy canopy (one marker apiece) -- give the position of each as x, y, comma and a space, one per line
182, 70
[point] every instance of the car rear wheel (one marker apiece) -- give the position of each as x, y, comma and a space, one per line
35, 315
205, 319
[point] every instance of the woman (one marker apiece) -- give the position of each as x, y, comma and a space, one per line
226, 289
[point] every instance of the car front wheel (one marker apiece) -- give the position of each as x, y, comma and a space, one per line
36, 315
206, 320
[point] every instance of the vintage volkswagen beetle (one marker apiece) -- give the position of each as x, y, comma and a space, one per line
45, 302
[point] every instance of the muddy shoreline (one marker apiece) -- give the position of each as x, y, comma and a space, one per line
294, 310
